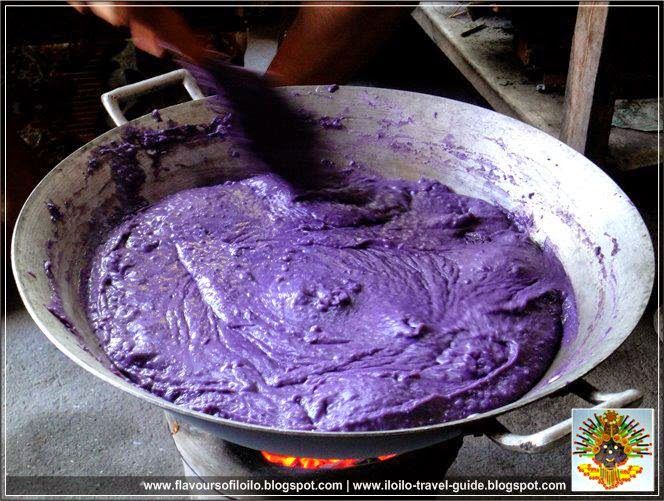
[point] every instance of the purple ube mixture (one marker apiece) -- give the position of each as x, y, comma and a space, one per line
384, 304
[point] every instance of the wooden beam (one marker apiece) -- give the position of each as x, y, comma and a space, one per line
582, 74
487, 60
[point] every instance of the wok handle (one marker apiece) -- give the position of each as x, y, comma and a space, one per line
111, 100
549, 438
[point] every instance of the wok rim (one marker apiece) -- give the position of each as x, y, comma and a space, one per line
39, 311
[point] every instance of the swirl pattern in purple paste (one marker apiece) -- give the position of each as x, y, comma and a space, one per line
384, 304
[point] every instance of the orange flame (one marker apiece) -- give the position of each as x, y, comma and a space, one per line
315, 463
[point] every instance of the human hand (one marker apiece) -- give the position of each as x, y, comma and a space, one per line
152, 28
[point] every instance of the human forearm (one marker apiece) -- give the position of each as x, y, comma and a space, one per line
328, 44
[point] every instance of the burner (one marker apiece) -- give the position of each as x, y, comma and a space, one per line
319, 463
206, 455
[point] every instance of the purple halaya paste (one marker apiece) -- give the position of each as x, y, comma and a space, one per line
54, 211
331, 123
383, 304
122, 156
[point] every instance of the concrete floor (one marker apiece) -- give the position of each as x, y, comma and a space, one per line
62, 421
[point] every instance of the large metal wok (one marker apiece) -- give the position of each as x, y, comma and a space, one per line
597, 232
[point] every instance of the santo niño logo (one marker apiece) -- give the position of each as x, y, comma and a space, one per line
612, 450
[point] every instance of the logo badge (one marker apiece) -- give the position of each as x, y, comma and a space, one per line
612, 450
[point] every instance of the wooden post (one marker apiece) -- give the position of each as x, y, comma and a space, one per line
582, 74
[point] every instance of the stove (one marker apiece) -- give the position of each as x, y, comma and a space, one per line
206, 456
